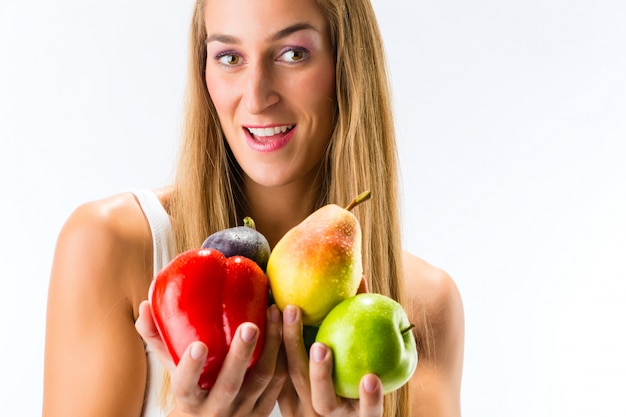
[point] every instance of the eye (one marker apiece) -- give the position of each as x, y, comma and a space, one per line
228, 59
294, 55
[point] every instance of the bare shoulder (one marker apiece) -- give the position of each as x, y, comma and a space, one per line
106, 244
101, 271
430, 289
433, 303
100, 231
111, 215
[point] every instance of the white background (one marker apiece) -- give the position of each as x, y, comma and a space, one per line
512, 127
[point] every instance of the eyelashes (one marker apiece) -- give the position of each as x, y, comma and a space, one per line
288, 55
228, 58
295, 54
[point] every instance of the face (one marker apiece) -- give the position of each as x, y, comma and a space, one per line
271, 75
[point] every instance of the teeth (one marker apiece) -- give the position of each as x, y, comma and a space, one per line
269, 131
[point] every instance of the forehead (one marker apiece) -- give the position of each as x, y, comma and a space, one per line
259, 19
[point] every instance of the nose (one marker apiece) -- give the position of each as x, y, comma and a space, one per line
260, 88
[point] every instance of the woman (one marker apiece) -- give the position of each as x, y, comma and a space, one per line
288, 109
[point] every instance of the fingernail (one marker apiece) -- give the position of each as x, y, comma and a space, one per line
290, 314
248, 333
370, 383
318, 352
197, 351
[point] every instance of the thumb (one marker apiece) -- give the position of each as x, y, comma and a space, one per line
148, 331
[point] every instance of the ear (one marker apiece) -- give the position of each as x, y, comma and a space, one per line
362, 286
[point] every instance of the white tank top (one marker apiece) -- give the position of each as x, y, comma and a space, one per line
163, 252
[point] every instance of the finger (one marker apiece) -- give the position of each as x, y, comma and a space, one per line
272, 394
288, 397
145, 323
148, 331
263, 372
189, 396
371, 396
267, 401
321, 370
230, 378
297, 360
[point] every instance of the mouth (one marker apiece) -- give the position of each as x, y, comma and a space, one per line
270, 138
267, 134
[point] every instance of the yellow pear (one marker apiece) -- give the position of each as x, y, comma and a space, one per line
318, 263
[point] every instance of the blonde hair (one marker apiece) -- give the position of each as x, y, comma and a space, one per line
362, 154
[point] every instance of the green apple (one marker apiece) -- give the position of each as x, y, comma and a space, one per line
369, 333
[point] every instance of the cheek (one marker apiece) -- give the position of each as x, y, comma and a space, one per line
219, 93
320, 88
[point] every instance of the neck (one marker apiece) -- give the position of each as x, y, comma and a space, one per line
275, 210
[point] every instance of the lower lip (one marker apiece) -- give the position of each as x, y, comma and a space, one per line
269, 143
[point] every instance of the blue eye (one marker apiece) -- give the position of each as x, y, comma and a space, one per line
294, 55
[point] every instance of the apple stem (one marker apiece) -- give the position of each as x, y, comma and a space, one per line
361, 198
248, 222
408, 329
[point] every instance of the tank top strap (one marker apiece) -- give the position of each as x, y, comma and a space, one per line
160, 226
163, 251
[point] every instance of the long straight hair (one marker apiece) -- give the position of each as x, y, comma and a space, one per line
362, 154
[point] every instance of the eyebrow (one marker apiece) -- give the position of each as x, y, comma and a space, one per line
218, 37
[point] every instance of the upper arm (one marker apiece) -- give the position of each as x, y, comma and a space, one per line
435, 305
95, 361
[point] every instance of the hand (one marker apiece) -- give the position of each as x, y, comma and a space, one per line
238, 391
309, 390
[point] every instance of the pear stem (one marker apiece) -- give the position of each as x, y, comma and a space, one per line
408, 329
248, 222
361, 198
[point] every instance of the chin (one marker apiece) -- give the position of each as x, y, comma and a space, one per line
268, 179
273, 175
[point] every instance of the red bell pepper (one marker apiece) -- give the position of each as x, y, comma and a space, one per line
202, 295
